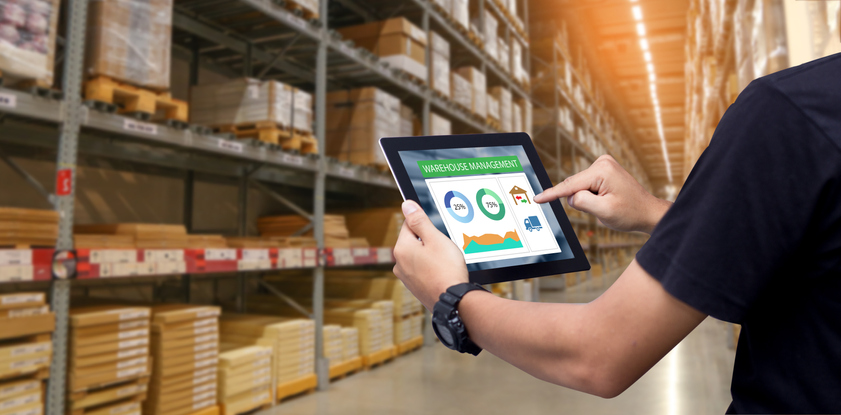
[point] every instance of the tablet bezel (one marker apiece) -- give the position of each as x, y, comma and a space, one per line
391, 146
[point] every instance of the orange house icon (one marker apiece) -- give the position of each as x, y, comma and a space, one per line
519, 195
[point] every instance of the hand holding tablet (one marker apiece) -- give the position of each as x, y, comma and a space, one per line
478, 190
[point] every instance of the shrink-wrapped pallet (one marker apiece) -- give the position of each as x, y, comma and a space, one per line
350, 343
504, 52
129, 41
516, 117
439, 125
461, 13
334, 350
490, 30
408, 328
27, 40
462, 91
250, 101
396, 41
478, 82
244, 378
407, 121
356, 120
440, 61
493, 108
503, 95
528, 119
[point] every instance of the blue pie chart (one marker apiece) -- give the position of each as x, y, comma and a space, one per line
458, 206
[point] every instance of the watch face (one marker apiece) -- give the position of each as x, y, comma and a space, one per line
444, 335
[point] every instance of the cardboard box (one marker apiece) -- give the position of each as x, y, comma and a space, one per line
440, 61
356, 120
77, 383
26, 326
14, 388
396, 41
462, 92
503, 95
110, 394
490, 31
517, 117
106, 314
479, 104
173, 313
250, 101
461, 13
21, 300
380, 226
121, 408
116, 49
24, 312
248, 400
504, 54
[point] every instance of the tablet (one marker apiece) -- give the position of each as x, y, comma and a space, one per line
478, 190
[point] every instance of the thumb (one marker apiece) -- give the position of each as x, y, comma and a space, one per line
584, 201
417, 220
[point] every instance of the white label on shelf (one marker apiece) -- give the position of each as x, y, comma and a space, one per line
163, 255
132, 362
220, 254
31, 349
130, 372
170, 267
133, 324
291, 159
22, 298
347, 172
15, 257
132, 333
361, 252
132, 352
310, 258
384, 255
146, 268
289, 258
255, 254
128, 344
8, 100
113, 256
342, 256
230, 145
139, 126
17, 273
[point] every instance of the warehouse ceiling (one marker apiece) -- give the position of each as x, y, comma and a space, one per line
608, 33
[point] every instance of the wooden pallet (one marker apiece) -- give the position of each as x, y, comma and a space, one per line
273, 133
476, 40
305, 385
493, 123
345, 369
145, 103
378, 358
409, 345
300, 10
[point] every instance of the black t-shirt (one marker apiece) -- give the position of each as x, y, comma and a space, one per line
754, 238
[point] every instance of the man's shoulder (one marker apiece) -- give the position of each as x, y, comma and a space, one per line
814, 88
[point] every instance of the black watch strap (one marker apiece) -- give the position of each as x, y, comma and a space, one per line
453, 296
459, 290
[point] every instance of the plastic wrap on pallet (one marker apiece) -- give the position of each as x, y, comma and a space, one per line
439, 125
303, 110
493, 108
407, 121
528, 119
517, 70
512, 7
356, 120
130, 41
489, 31
242, 101
462, 90
516, 117
461, 13
505, 117
440, 61
396, 41
504, 52
27, 39
477, 79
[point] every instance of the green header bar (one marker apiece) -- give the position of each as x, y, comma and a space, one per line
467, 167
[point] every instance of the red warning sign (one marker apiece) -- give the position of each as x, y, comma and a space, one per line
64, 182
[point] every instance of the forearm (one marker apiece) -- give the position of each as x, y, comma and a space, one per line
544, 340
656, 210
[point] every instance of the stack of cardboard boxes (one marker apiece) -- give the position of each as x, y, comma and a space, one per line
292, 341
185, 350
25, 352
503, 96
336, 234
245, 379
356, 120
109, 361
27, 40
479, 90
142, 235
350, 343
440, 61
396, 41
33, 227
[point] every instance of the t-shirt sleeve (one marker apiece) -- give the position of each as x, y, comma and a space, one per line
744, 209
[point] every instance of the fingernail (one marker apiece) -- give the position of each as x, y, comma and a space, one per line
538, 196
409, 207
569, 201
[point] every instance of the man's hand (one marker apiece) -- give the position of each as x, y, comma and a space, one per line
610, 193
427, 261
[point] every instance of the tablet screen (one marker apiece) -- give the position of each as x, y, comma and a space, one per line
483, 199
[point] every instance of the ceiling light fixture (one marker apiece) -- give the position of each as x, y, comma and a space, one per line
644, 44
647, 56
641, 29
637, 12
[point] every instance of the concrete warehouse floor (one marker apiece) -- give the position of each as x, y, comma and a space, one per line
693, 378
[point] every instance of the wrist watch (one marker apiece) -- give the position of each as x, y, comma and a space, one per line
447, 323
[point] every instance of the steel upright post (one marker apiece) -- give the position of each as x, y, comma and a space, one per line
65, 194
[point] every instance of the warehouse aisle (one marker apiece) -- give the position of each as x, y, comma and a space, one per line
694, 378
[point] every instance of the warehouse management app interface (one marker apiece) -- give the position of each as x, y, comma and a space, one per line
485, 203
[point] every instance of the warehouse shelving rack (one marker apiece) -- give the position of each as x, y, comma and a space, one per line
277, 45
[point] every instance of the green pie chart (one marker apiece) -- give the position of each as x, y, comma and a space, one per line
499, 215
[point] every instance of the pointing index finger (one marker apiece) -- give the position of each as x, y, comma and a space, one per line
585, 180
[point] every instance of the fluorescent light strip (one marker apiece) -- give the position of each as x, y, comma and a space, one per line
636, 11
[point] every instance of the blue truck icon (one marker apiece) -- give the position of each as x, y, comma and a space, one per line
533, 224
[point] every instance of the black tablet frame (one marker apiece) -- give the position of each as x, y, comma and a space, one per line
391, 146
